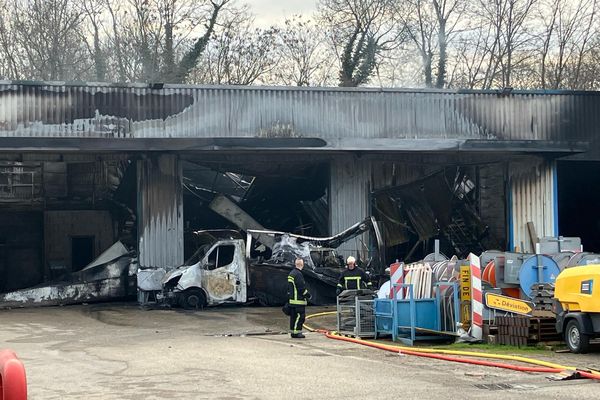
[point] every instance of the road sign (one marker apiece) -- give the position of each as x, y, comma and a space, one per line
465, 295
465, 283
509, 304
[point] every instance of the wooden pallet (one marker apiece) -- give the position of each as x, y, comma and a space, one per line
522, 331
542, 296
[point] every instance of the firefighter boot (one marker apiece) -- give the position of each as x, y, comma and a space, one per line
298, 336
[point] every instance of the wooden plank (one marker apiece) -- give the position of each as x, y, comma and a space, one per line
532, 235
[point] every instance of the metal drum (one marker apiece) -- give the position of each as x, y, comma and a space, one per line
537, 269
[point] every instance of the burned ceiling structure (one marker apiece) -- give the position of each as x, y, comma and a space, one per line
287, 196
443, 205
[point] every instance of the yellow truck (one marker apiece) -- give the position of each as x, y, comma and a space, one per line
577, 306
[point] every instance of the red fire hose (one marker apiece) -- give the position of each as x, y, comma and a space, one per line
546, 367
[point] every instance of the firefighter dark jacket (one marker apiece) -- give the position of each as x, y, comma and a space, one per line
297, 292
353, 279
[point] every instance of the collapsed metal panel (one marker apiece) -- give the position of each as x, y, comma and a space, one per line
353, 179
166, 111
160, 212
533, 199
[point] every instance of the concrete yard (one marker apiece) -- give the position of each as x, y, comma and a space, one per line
119, 351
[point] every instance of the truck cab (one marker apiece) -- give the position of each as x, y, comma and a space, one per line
577, 306
217, 273
228, 268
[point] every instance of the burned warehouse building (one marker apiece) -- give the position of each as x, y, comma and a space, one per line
199, 195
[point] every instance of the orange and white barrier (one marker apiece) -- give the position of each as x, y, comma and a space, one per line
476, 297
13, 383
396, 277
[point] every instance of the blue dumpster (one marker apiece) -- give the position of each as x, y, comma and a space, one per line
408, 320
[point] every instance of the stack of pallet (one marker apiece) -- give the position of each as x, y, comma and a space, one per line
542, 294
518, 330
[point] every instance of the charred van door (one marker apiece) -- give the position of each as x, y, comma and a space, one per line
224, 272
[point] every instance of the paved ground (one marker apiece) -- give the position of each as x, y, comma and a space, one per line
122, 352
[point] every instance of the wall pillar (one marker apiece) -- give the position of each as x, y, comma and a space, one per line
160, 212
349, 200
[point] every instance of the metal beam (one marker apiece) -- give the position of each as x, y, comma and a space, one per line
102, 145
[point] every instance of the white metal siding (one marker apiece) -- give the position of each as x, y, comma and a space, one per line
532, 200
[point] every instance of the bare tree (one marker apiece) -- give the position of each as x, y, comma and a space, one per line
420, 24
472, 55
304, 57
9, 64
114, 36
190, 58
568, 27
93, 10
509, 21
46, 39
430, 24
588, 41
154, 39
360, 31
238, 53
447, 13
587, 72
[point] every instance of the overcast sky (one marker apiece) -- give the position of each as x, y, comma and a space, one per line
269, 12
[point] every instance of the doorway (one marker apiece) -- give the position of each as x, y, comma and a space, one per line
578, 211
82, 251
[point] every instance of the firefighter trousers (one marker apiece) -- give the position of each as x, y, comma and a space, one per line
297, 316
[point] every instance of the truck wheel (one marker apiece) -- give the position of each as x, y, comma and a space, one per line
577, 341
192, 299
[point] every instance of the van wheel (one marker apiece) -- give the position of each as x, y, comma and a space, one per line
192, 299
577, 341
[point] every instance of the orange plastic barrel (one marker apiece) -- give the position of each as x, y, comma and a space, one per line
489, 273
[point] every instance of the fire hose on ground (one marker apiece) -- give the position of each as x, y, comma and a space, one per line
452, 355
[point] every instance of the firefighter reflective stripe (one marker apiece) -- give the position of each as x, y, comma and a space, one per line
296, 330
295, 300
352, 278
297, 317
293, 282
340, 285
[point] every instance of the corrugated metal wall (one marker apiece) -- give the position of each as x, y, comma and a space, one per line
532, 199
349, 198
160, 212
55, 110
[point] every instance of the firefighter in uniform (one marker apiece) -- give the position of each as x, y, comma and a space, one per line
353, 277
297, 299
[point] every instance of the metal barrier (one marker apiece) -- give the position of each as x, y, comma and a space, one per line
355, 314
13, 383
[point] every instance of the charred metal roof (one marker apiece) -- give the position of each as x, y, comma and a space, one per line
140, 117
